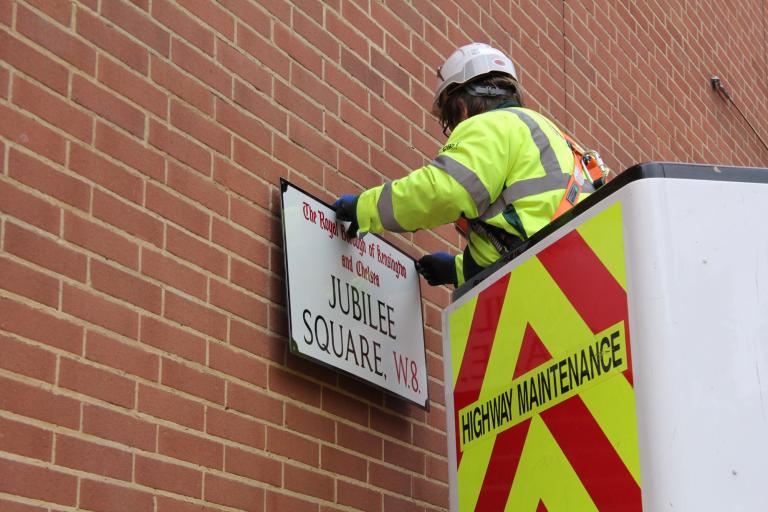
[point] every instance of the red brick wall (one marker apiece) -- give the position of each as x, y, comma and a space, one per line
143, 361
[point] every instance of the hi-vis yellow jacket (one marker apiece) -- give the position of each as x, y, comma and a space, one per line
508, 168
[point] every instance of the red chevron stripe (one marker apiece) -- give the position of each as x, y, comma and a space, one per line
593, 458
507, 449
478, 350
588, 285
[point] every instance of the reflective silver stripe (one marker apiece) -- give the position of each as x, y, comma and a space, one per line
554, 178
386, 211
467, 178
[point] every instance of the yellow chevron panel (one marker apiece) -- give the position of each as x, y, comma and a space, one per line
545, 474
612, 404
603, 233
459, 324
471, 472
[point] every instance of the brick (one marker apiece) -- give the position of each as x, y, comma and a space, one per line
100, 240
437, 469
51, 37
31, 134
106, 37
101, 171
340, 462
241, 182
392, 425
213, 15
139, 25
254, 403
178, 210
237, 364
130, 151
259, 162
182, 25
118, 427
133, 86
197, 252
404, 456
345, 406
38, 325
256, 45
46, 179
254, 466
294, 386
130, 288
242, 123
307, 137
357, 496
238, 303
199, 317
252, 15
23, 57
107, 497
40, 404
168, 505
97, 383
261, 105
53, 109
240, 242
317, 37
24, 480
361, 441
308, 482
60, 10
245, 66
165, 269
397, 504
93, 458
287, 444
257, 342
29, 208
430, 440
353, 65
194, 449
26, 440
12, 506
168, 477
254, 219
198, 383
29, 283
127, 217
431, 492
200, 66
299, 419
172, 407
179, 147
201, 190
182, 86
233, 427
293, 101
107, 105
100, 311
233, 493
277, 501
202, 129
24, 359
129, 358
170, 339
299, 50
390, 478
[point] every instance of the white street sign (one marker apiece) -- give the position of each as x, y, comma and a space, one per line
354, 303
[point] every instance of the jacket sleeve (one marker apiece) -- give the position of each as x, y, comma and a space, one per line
461, 180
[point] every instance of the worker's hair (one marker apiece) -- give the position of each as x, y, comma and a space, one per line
449, 107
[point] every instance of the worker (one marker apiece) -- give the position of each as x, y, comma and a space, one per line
505, 169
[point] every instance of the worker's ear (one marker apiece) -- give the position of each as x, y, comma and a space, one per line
463, 109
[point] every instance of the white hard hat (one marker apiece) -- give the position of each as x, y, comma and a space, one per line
468, 62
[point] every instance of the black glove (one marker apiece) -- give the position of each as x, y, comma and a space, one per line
438, 268
346, 210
